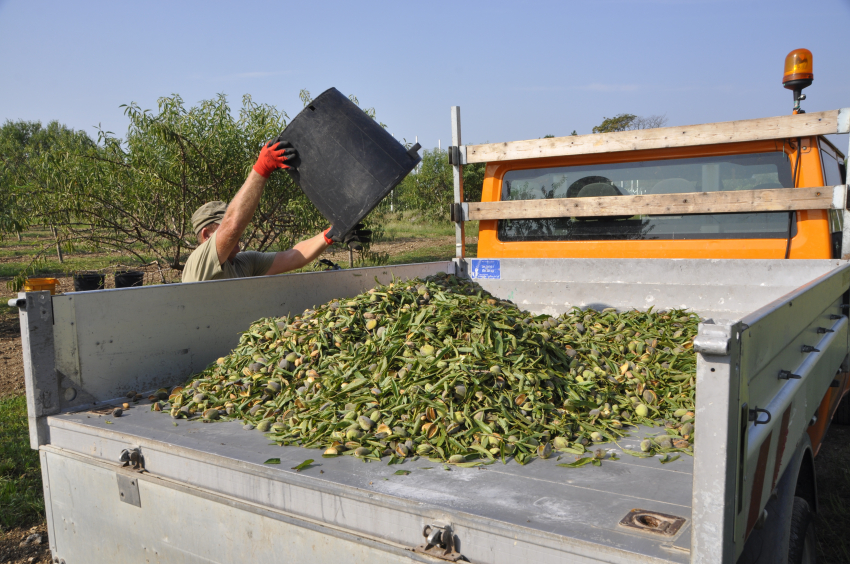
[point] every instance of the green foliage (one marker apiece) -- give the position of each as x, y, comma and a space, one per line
429, 189
625, 122
21, 495
137, 194
620, 122
24, 146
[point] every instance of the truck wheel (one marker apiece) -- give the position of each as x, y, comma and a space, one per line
842, 412
802, 543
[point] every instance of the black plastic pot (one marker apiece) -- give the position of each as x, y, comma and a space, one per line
347, 163
129, 278
89, 281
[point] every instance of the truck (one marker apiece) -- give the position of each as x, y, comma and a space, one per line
744, 223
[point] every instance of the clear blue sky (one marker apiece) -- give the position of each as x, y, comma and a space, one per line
518, 70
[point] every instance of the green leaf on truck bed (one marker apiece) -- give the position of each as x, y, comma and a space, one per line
578, 463
303, 465
272, 461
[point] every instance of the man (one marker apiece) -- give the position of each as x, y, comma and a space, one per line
219, 227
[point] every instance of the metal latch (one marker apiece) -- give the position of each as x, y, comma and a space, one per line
454, 155
132, 457
754, 416
440, 542
653, 522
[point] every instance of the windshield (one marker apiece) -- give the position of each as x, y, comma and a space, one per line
672, 176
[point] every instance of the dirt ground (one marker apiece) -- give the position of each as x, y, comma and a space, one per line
11, 361
25, 546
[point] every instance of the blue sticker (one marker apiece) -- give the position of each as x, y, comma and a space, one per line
487, 268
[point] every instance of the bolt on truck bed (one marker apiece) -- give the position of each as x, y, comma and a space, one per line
207, 496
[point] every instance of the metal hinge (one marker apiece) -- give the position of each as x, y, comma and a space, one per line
457, 155
713, 340
459, 212
440, 542
128, 481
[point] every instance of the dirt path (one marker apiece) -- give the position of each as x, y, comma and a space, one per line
25, 546
11, 360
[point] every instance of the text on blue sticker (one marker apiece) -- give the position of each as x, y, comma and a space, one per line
487, 268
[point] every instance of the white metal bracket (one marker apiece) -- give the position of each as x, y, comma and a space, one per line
128, 488
713, 339
843, 120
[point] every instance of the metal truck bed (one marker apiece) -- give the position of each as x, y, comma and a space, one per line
500, 513
207, 496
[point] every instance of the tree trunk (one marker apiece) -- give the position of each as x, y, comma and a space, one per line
19, 236
350, 258
58, 246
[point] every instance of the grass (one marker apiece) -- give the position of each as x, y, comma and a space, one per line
431, 254
19, 254
21, 494
397, 226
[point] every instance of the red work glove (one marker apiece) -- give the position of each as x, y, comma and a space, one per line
325, 235
273, 156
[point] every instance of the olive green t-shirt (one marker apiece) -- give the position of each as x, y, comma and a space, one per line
203, 264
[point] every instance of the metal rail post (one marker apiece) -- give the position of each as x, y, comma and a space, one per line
457, 170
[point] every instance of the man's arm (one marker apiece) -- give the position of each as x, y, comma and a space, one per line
298, 256
241, 208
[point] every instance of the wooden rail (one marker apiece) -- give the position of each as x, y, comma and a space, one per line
778, 199
781, 127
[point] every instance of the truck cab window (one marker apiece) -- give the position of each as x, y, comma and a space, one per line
672, 176
832, 165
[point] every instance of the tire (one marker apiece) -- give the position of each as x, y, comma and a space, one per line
802, 544
842, 412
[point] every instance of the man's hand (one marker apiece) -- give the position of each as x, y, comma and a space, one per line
354, 238
273, 156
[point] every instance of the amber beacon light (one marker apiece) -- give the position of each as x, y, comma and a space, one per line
798, 75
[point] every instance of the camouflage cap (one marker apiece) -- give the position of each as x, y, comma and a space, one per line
211, 212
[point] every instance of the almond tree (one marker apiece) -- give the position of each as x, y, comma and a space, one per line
137, 194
